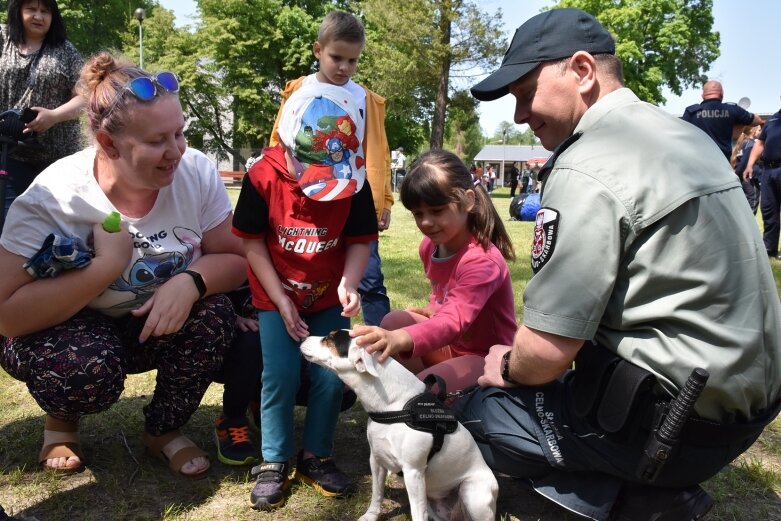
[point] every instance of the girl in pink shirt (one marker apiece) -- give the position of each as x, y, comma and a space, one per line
464, 254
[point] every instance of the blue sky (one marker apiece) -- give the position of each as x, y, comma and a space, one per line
748, 65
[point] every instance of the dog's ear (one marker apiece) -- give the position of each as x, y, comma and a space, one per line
366, 363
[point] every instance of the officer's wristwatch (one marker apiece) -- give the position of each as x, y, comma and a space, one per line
506, 368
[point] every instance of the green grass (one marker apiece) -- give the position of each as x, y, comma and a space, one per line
122, 483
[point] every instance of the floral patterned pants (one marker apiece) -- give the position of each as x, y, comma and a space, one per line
79, 366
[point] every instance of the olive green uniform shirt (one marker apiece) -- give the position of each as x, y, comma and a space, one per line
657, 257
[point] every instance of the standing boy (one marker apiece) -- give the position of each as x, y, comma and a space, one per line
339, 44
305, 215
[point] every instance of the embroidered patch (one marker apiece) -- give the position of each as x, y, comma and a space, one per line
546, 226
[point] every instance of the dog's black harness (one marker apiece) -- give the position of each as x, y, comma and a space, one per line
424, 412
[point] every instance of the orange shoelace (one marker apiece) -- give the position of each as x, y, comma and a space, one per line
239, 434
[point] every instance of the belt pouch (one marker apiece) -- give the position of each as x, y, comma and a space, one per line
628, 391
593, 367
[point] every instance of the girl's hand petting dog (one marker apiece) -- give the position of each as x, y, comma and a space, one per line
390, 343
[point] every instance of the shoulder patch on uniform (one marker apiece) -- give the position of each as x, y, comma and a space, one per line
546, 227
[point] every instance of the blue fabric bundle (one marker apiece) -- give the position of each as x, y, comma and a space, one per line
58, 253
530, 207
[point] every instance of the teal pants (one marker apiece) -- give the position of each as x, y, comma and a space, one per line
281, 378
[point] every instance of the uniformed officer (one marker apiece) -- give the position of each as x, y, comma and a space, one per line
768, 147
716, 118
635, 246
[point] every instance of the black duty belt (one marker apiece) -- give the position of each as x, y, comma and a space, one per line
424, 412
771, 164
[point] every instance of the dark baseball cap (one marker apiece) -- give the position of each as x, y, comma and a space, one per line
552, 35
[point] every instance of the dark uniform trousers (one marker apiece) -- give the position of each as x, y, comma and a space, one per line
544, 435
770, 206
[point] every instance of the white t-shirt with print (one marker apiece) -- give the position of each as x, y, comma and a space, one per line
66, 199
359, 95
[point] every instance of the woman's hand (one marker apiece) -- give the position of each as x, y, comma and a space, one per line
112, 249
168, 308
294, 324
390, 343
349, 298
45, 120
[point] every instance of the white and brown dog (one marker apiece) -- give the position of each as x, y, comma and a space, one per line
456, 480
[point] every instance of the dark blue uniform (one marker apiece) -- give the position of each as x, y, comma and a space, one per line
770, 190
717, 119
750, 187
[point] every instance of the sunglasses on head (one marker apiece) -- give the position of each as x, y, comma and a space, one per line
144, 88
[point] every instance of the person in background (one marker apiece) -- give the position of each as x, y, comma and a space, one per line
251, 160
739, 160
717, 118
148, 292
641, 227
525, 176
307, 218
340, 42
464, 254
39, 68
767, 147
514, 175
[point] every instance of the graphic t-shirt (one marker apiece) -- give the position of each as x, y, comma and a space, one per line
306, 239
66, 199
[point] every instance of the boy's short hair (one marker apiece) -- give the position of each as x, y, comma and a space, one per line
339, 25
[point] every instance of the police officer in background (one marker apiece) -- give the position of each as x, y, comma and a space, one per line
768, 147
635, 246
718, 119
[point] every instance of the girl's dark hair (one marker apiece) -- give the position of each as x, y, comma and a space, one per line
57, 33
438, 178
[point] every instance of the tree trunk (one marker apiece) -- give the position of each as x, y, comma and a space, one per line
440, 105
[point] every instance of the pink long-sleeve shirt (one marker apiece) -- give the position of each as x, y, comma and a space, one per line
472, 300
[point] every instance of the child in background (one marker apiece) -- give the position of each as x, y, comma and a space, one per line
471, 304
306, 217
340, 42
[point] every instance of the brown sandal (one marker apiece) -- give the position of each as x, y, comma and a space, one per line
61, 440
184, 450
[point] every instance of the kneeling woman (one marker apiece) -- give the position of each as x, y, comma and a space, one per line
150, 294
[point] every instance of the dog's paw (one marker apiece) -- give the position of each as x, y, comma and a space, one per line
368, 517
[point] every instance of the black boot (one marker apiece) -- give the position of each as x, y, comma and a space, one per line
645, 503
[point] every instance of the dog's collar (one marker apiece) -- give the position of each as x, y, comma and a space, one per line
424, 412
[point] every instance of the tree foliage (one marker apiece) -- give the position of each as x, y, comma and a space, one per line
413, 49
661, 42
463, 135
510, 134
101, 24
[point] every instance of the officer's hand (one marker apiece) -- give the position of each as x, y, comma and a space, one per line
492, 371
748, 173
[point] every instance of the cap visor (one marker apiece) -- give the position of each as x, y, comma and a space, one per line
496, 85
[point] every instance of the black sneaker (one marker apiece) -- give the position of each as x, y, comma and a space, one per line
271, 486
233, 444
254, 409
324, 476
644, 503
